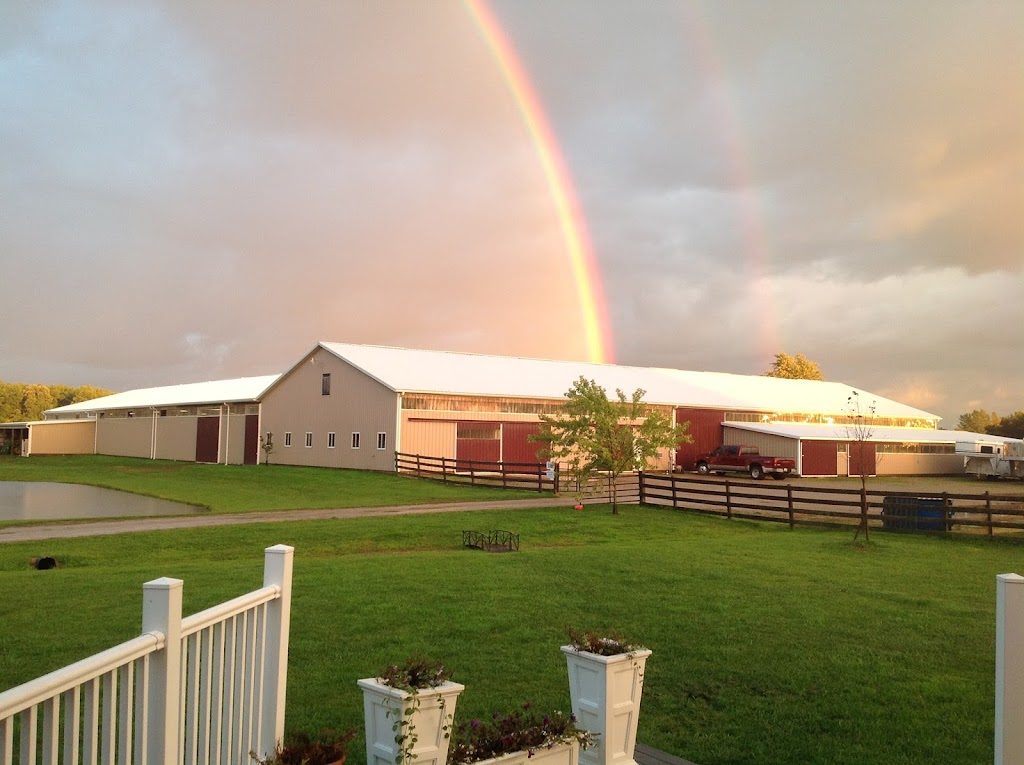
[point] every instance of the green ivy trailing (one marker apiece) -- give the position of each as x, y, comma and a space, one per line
412, 676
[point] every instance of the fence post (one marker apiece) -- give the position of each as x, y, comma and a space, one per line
444, 469
419, 473
728, 500
640, 485
789, 499
277, 571
1009, 669
161, 612
988, 509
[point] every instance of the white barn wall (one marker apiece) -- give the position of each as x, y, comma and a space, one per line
357, 403
125, 437
176, 438
918, 464
769, 445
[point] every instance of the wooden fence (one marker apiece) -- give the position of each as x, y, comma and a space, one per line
204, 690
786, 503
529, 476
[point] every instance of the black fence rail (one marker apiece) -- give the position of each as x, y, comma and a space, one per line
984, 513
529, 476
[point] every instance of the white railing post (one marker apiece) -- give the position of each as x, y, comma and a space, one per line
1009, 669
277, 570
161, 612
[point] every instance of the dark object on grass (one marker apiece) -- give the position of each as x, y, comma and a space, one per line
44, 564
492, 541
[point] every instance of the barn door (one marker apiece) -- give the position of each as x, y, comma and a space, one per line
207, 439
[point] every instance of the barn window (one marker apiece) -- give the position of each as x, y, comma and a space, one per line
330, 440
382, 440
287, 439
487, 431
309, 440
325, 384
355, 440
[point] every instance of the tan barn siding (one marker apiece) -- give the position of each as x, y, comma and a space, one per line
176, 438
129, 437
918, 464
232, 438
65, 437
427, 437
357, 403
769, 445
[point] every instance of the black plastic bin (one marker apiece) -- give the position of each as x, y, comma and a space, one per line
917, 514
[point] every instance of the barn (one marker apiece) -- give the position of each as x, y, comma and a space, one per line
215, 421
347, 405
354, 406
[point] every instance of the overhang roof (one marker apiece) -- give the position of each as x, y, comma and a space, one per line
238, 390
406, 370
877, 433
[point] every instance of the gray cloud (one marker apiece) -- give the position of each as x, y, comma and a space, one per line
194, 191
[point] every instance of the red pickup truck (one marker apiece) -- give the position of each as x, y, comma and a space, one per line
745, 459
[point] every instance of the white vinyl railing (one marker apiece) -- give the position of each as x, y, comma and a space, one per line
206, 690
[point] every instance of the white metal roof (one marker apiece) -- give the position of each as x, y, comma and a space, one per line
815, 432
416, 371
241, 389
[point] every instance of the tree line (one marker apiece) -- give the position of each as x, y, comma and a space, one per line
25, 402
980, 421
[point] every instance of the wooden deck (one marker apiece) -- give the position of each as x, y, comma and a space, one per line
646, 755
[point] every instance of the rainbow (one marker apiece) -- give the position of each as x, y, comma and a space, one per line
727, 120
585, 272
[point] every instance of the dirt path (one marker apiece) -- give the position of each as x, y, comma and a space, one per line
101, 528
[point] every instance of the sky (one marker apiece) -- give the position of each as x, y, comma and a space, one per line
194, 191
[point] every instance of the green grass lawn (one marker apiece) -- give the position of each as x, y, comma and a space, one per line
241, 488
770, 645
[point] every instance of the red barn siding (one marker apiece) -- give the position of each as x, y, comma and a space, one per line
862, 458
705, 430
486, 449
515, 442
818, 457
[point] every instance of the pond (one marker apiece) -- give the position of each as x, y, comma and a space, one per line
32, 501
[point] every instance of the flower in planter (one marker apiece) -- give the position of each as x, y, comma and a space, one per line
414, 674
520, 731
326, 748
602, 643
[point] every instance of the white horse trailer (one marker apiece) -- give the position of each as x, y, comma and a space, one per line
992, 458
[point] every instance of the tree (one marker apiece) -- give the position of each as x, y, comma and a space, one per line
978, 421
88, 393
11, 395
37, 399
860, 432
595, 433
797, 367
1011, 426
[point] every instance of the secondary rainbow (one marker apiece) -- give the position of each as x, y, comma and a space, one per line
587, 277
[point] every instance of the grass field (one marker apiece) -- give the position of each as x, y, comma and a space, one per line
770, 645
240, 488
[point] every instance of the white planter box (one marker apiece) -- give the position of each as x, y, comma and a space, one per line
559, 754
605, 693
433, 711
